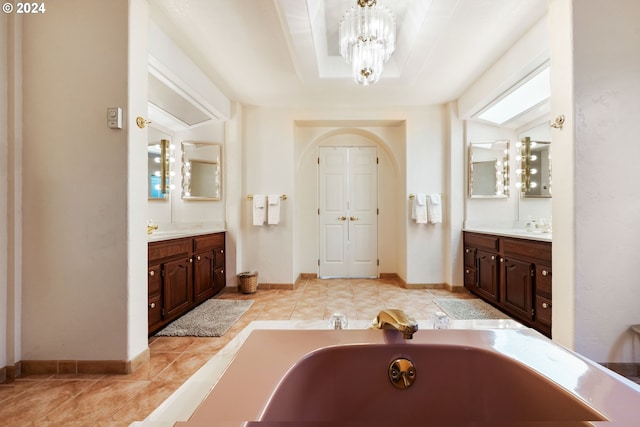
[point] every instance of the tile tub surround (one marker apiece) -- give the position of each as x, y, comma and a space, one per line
587, 383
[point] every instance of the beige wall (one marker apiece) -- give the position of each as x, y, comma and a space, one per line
597, 87
275, 150
84, 245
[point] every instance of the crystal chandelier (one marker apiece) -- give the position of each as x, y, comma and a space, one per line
367, 39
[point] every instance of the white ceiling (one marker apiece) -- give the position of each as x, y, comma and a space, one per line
284, 52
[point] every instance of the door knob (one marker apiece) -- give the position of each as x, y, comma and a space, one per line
342, 218
354, 218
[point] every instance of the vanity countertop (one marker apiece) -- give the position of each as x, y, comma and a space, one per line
160, 235
511, 232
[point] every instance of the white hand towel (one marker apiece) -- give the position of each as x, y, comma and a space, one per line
419, 208
259, 209
273, 212
434, 206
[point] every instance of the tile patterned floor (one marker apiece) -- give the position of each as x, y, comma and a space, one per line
118, 400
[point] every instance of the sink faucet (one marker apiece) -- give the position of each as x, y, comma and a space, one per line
151, 227
393, 318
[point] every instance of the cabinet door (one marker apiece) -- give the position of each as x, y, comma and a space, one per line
155, 297
219, 277
487, 274
203, 266
518, 287
177, 287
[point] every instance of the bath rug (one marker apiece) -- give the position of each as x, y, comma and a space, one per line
212, 318
465, 309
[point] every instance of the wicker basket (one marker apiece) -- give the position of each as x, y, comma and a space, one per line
248, 282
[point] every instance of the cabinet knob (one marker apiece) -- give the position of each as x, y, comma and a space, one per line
221, 251
545, 305
198, 257
152, 273
493, 257
152, 305
190, 259
466, 251
221, 271
501, 259
467, 271
545, 273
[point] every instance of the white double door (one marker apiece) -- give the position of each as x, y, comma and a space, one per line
348, 206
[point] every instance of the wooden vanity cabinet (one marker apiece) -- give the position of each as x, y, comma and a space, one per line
513, 274
517, 285
155, 295
487, 268
177, 288
481, 261
470, 273
208, 260
183, 273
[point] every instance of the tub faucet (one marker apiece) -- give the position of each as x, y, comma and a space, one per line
394, 318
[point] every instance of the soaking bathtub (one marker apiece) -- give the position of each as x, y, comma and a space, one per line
463, 378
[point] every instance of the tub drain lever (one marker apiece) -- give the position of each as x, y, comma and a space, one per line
402, 373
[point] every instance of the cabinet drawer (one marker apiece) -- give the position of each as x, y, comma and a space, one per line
155, 311
527, 249
470, 257
469, 277
210, 241
543, 310
543, 280
169, 249
219, 258
481, 241
154, 279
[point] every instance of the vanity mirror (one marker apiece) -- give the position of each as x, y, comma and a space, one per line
533, 168
159, 159
489, 169
201, 170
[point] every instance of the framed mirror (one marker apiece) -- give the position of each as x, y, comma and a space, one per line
159, 149
201, 170
489, 169
534, 168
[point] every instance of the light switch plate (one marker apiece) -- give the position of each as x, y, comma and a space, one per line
114, 118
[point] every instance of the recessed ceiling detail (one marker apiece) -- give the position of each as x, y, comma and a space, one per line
285, 52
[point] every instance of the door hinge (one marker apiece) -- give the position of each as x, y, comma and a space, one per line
533, 312
318, 262
377, 160
378, 211
378, 262
162, 312
318, 211
318, 158
533, 273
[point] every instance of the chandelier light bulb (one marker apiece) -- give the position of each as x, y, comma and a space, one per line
367, 40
